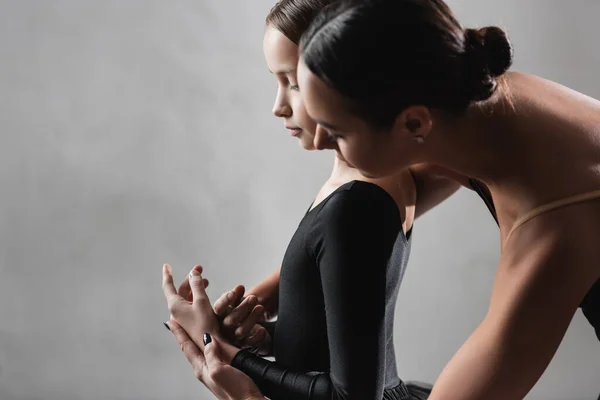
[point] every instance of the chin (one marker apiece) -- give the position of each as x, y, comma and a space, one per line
372, 174
307, 146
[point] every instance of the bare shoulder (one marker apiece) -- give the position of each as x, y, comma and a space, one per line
538, 90
544, 274
561, 244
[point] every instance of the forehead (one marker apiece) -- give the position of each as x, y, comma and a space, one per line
280, 52
322, 102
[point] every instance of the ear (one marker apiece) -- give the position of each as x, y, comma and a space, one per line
415, 122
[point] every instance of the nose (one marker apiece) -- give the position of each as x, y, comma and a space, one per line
281, 108
323, 140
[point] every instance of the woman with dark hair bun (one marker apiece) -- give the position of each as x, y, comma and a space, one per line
394, 83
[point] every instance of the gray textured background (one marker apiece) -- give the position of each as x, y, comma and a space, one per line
137, 132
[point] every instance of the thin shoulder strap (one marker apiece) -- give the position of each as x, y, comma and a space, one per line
553, 206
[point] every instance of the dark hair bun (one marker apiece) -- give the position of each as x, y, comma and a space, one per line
498, 49
489, 54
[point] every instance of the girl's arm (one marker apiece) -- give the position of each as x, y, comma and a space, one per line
267, 293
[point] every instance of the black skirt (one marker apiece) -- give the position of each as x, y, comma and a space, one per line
408, 391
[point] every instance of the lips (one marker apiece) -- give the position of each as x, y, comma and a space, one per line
293, 130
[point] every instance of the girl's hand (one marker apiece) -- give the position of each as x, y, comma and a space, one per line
196, 316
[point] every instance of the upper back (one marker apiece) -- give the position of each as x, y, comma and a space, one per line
547, 138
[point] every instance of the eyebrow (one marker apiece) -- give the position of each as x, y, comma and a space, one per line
326, 125
283, 71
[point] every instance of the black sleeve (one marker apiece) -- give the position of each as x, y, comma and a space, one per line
270, 327
351, 240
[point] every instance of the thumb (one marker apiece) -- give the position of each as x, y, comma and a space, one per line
212, 352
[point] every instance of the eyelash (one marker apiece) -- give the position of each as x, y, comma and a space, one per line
333, 137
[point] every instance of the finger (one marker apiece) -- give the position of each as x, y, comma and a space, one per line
167, 282
258, 335
246, 326
185, 290
223, 304
227, 302
189, 348
241, 312
174, 300
198, 293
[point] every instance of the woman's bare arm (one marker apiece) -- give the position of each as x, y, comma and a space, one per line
542, 278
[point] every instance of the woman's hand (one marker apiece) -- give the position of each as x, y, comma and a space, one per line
196, 316
223, 380
240, 317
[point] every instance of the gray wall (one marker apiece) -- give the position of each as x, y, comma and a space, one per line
136, 132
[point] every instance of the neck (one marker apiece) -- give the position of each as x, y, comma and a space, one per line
468, 145
342, 172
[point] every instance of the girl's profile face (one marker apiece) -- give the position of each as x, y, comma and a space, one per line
281, 55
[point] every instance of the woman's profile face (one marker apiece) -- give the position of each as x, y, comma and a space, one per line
374, 153
281, 55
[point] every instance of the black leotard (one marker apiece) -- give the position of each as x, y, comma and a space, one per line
338, 289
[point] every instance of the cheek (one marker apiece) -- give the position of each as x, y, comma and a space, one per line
359, 152
353, 148
382, 157
301, 118
350, 152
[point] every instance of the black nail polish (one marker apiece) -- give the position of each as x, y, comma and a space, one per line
206, 339
167, 326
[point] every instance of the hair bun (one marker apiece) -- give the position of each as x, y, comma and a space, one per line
489, 54
498, 49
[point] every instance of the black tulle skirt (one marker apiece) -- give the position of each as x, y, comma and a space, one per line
408, 391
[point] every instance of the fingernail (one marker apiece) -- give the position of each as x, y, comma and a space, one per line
206, 339
167, 326
194, 273
229, 295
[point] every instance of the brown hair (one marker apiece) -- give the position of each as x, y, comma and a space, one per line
292, 17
